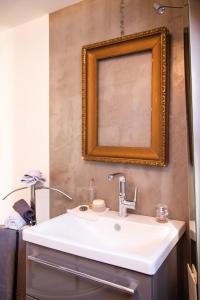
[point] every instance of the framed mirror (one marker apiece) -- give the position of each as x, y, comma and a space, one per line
125, 99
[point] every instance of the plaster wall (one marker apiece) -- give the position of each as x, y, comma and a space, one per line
92, 21
24, 113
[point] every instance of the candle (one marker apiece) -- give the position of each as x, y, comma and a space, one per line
98, 205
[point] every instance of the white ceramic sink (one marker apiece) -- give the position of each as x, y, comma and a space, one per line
136, 242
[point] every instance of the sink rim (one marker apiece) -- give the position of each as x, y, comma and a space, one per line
140, 263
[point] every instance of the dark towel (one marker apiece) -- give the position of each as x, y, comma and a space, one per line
8, 249
25, 211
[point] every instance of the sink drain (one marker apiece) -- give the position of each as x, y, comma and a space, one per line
117, 227
83, 208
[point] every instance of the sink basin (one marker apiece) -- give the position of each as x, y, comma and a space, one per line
136, 242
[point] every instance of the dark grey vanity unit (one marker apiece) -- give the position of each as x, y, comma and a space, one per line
56, 275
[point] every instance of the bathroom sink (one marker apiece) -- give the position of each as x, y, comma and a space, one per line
136, 242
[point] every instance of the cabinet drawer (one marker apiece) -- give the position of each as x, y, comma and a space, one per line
58, 276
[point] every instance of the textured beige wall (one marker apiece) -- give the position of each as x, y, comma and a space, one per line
124, 114
93, 21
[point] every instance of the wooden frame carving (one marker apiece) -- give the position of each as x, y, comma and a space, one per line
156, 41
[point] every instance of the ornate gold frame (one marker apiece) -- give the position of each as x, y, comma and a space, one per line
156, 41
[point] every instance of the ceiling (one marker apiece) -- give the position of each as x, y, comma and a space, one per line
16, 12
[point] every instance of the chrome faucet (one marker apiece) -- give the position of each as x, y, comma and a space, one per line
124, 203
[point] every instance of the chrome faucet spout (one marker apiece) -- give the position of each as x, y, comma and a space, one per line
111, 176
122, 181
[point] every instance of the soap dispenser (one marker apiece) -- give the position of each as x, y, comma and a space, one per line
91, 192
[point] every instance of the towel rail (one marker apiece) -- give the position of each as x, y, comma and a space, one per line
33, 188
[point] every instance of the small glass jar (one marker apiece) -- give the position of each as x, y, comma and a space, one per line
162, 213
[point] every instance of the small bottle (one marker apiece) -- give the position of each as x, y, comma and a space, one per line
91, 192
162, 213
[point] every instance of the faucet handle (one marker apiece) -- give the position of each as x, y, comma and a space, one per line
131, 203
135, 194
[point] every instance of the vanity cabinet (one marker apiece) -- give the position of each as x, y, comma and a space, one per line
56, 275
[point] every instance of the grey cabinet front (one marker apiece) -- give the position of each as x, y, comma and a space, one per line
55, 275
58, 276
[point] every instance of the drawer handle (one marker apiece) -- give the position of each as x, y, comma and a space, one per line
83, 275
